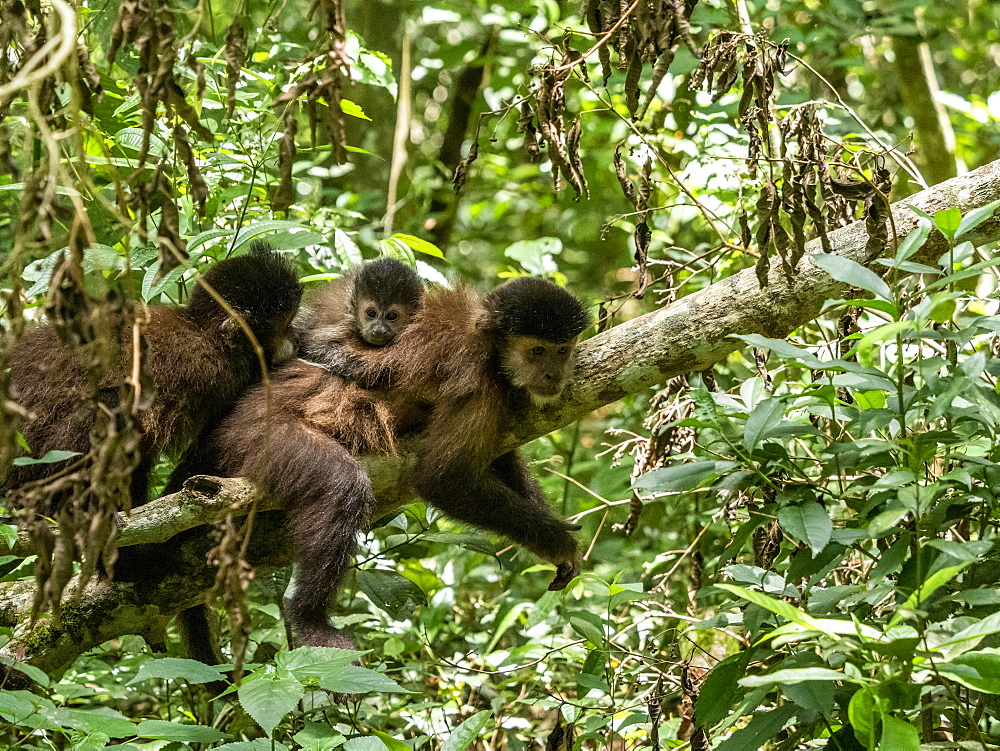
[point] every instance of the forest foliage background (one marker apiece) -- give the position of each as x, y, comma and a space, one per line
815, 565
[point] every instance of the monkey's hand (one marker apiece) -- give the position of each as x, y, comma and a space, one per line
565, 573
571, 565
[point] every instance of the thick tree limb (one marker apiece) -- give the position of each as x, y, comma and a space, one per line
689, 335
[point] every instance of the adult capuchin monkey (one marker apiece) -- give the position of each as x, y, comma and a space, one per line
475, 364
199, 359
300, 444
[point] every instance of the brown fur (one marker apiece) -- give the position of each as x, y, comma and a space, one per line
198, 358
452, 357
299, 442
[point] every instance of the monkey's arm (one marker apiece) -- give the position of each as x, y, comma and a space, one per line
457, 474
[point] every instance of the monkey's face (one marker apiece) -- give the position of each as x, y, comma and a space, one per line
379, 324
538, 366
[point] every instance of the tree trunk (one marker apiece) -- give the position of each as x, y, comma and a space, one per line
688, 335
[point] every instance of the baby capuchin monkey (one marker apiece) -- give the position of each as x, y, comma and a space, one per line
367, 307
461, 371
300, 445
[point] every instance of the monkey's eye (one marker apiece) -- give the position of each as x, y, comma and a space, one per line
538, 350
371, 313
563, 350
392, 315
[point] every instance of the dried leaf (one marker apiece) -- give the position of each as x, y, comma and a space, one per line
462, 171
235, 52
285, 192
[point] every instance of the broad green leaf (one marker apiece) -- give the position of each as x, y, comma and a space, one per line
396, 248
205, 238
256, 229
353, 109
933, 582
173, 731
268, 699
264, 744
863, 713
686, 476
762, 727
988, 625
463, 736
976, 217
808, 522
352, 679
365, 743
851, 272
948, 220
391, 743
49, 458
508, 620
131, 138
315, 662
796, 675
473, 542
391, 591
898, 735
318, 736
103, 720
977, 670
347, 250
536, 256
778, 607
782, 349
419, 245
767, 414
173, 668
589, 626
719, 689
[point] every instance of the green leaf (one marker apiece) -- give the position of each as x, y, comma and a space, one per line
473, 542
933, 582
365, 743
536, 256
256, 229
466, 733
685, 476
172, 731
268, 699
347, 250
318, 736
988, 625
589, 626
205, 238
851, 272
103, 720
353, 109
391, 591
977, 670
976, 217
315, 662
49, 458
419, 245
395, 248
796, 675
767, 414
391, 743
913, 241
352, 679
761, 728
783, 349
948, 220
131, 138
808, 522
719, 689
862, 714
898, 735
266, 744
173, 668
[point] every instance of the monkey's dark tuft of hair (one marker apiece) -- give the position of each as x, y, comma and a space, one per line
535, 307
390, 281
258, 284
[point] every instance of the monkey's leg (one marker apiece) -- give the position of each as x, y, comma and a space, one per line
329, 498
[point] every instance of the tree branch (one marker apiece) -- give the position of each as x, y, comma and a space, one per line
690, 335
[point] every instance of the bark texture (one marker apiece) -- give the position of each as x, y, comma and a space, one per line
689, 335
